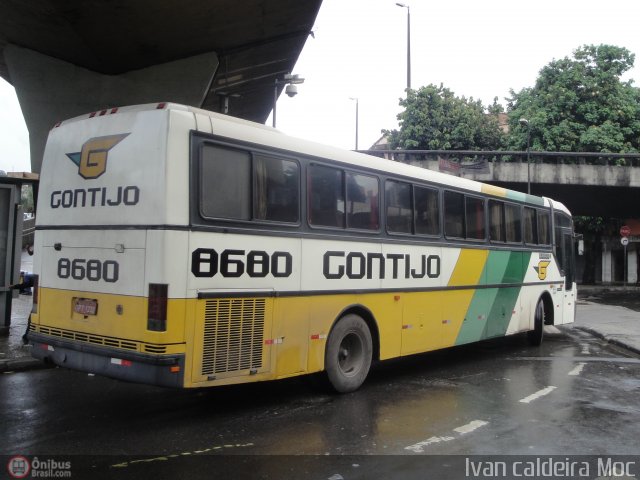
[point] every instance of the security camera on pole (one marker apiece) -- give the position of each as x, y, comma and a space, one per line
290, 81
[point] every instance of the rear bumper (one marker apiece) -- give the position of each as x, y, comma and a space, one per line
162, 370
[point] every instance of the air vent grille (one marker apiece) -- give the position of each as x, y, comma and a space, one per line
233, 335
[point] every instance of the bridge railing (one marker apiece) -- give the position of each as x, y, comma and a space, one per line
479, 157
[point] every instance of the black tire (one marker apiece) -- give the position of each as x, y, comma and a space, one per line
534, 337
349, 353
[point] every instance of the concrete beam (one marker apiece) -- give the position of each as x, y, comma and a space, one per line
51, 90
593, 190
550, 173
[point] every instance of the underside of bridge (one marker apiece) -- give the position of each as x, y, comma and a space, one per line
587, 200
69, 57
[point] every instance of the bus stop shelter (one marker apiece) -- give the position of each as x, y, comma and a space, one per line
11, 232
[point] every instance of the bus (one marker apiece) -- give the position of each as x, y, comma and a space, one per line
184, 248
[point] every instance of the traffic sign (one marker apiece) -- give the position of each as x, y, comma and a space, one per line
625, 231
624, 241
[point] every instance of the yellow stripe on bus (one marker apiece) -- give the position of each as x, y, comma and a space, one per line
468, 271
493, 190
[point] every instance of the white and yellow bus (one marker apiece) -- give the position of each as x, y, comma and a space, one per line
183, 248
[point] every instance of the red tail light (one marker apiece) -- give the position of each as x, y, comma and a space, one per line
35, 289
157, 317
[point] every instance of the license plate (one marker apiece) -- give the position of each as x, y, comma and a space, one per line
85, 306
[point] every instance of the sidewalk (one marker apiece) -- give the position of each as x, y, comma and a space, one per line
617, 325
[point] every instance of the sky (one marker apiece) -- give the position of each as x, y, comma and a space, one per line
480, 49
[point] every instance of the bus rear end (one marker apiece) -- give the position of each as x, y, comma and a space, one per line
106, 300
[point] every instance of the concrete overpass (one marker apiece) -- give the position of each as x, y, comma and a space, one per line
69, 57
593, 184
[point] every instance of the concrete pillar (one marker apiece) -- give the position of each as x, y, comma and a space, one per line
632, 263
607, 261
51, 90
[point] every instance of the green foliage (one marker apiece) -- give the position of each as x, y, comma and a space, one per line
27, 198
435, 119
591, 224
580, 104
495, 108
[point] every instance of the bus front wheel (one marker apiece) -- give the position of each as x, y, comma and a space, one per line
535, 336
349, 353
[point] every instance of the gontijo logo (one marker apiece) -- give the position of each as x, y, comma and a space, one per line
92, 159
92, 163
542, 269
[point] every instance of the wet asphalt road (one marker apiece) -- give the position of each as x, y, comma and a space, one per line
572, 396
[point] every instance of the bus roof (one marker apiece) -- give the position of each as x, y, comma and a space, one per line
233, 127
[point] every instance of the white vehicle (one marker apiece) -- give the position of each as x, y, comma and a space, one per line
180, 247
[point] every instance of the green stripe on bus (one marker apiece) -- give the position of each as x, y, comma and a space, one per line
491, 309
503, 307
475, 321
523, 197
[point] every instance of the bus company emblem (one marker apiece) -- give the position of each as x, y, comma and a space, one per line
542, 269
92, 159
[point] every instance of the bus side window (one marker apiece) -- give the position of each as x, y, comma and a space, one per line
496, 221
544, 229
225, 176
362, 202
398, 207
530, 226
474, 215
453, 214
513, 223
326, 196
427, 210
276, 189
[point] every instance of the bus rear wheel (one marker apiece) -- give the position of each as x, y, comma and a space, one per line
349, 353
534, 336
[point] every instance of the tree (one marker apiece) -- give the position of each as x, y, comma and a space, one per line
435, 119
580, 104
26, 195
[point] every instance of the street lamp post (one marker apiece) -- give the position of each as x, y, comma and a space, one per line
403, 5
525, 123
290, 81
356, 99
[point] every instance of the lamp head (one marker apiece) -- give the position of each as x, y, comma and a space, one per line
524, 122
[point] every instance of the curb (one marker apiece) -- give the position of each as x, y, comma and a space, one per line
22, 364
610, 339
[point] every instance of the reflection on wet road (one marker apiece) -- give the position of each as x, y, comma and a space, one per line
498, 397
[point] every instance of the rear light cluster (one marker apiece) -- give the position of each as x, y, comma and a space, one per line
35, 288
157, 316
